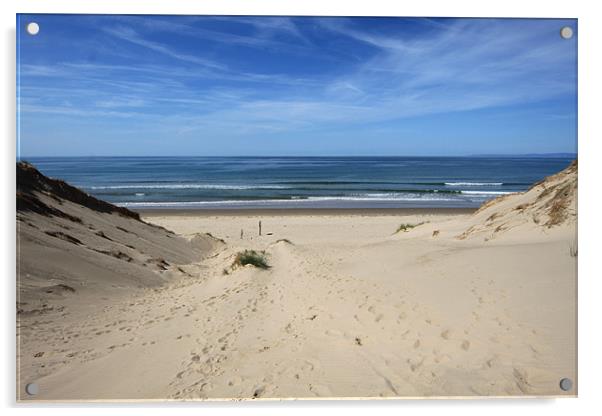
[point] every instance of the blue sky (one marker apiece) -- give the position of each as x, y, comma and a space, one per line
210, 85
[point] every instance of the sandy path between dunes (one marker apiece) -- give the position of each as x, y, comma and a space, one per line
348, 309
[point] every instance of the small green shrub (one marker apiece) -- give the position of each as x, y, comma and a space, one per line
407, 227
252, 257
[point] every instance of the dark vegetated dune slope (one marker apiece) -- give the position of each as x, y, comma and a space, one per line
71, 244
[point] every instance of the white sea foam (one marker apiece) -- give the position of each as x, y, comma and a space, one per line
188, 186
382, 197
485, 192
474, 183
294, 201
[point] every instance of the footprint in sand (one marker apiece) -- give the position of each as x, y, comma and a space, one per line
521, 378
415, 364
310, 365
235, 381
491, 362
258, 391
320, 390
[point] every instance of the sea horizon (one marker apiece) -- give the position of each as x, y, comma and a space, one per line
300, 182
553, 155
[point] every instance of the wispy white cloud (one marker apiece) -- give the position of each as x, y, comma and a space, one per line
459, 65
267, 28
470, 65
75, 111
130, 35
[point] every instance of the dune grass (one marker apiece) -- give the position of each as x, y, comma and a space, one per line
407, 227
252, 257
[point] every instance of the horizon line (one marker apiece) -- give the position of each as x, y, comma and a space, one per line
551, 154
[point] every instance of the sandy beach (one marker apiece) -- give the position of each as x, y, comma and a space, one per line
457, 304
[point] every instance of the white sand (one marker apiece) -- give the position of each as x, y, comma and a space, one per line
349, 308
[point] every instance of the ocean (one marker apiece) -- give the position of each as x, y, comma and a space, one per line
299, 182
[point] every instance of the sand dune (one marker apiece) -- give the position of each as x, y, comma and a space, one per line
77, 254
460, 305
70, 242
549, 206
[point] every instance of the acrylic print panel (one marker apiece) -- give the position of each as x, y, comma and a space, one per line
214, 207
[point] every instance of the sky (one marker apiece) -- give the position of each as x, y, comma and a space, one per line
94, 85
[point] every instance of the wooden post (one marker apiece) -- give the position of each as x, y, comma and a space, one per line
241, 233
260, 227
